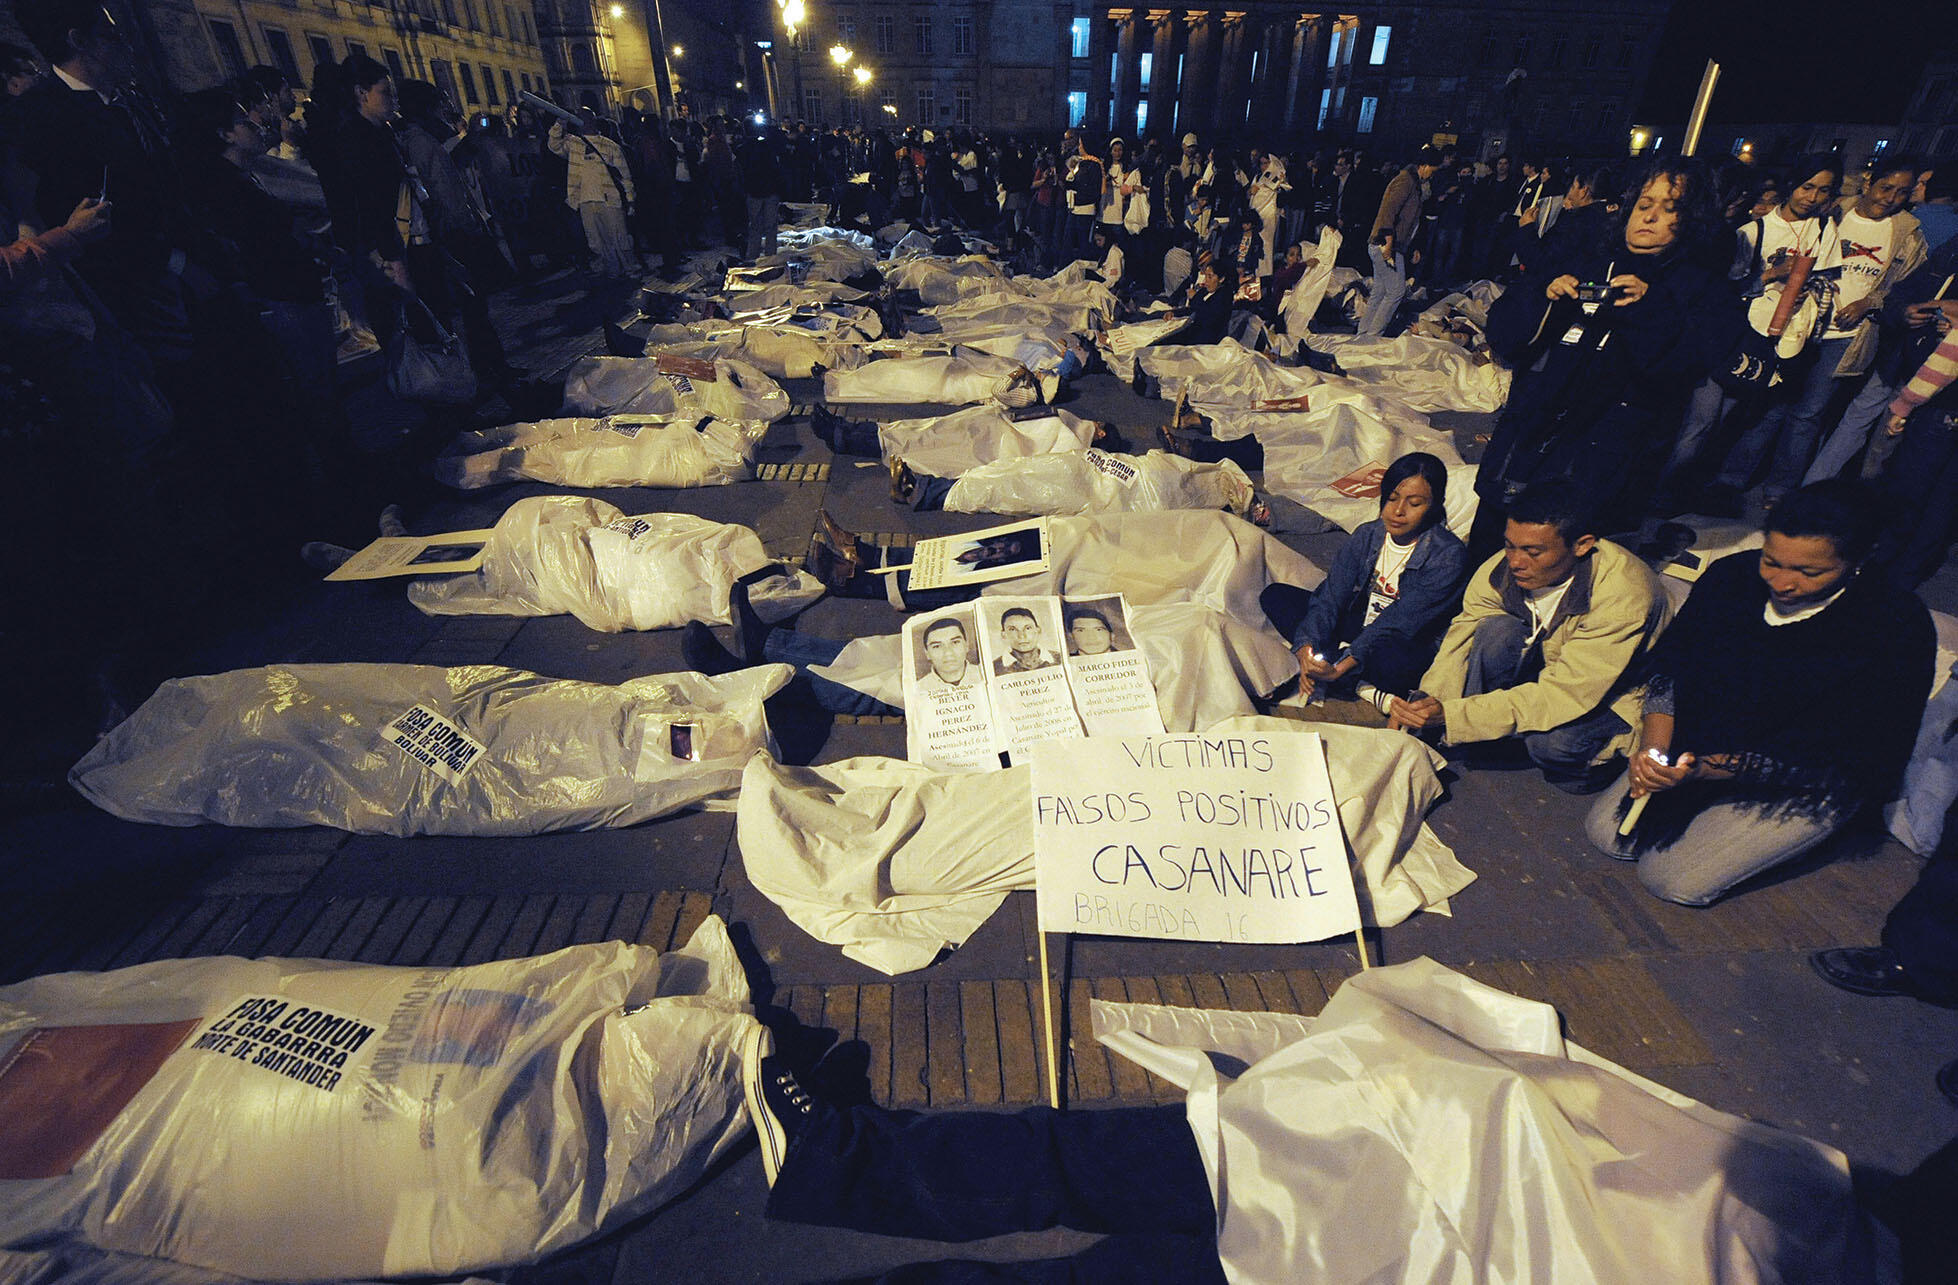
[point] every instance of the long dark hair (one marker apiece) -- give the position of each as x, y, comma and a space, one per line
1430, 470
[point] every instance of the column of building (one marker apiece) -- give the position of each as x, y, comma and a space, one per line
1165, 87
1125, 89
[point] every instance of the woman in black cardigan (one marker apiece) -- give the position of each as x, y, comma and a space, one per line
1783, 701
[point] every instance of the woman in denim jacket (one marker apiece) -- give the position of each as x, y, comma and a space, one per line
1372, 628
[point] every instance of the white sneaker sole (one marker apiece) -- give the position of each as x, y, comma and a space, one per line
756, 1045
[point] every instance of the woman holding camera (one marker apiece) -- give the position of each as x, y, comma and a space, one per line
1608, 340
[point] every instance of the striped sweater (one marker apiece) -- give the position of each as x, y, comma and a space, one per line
1932, 378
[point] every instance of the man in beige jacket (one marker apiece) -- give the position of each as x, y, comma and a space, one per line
1547, 646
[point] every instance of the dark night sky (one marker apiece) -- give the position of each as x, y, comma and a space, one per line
1852, 60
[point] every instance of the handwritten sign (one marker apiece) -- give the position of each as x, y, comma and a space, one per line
1193, 838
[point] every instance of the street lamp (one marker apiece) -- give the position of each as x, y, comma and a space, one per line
840, 55
793, 14
679, 51
863, 75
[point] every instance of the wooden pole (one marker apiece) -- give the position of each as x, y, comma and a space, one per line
1359, 939
1047, 1022
1701, 101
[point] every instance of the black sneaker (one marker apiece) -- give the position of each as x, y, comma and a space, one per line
778, 1106
1864, 970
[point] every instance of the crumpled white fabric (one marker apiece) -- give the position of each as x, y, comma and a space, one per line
293, 745
1093, 481
1426, 1129
1206, 666
963, 378
894, 862
497, 1113
1421, 373
573, 555
1300, 304
953, 445
610, 451
819, 259
634, 385
938, 280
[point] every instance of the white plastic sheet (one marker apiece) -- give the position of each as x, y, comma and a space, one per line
1082, 482
634, 385
893, 862
965, 377
1426, 1129
566, 555
492, 1114
1422, 373
293, 745
609, 451
1300, 304
953, 445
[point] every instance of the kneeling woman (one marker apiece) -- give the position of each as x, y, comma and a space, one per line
1380, 614
1783, 701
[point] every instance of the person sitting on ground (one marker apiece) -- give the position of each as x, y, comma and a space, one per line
1209, 304
1780, 705
1375, 624
1547, 646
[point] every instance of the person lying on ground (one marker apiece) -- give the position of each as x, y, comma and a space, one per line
1547, 646
1083, 482
1374, 626
1747, 759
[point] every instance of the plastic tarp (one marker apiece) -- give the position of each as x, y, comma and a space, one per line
794, 296
552, 555
1206, 666
73, 1264
953, 445
1093, 481
1419, 372
634, 385
609, 451
1042, 347
1300, 304
774, 343
894, 862
965, 377
821, 259
936, 281
294, 745
1426, 1129
386, 1121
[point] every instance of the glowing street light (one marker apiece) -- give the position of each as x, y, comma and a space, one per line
863, 74
793, 14
679, 51
618, 11
839, 55
891, 108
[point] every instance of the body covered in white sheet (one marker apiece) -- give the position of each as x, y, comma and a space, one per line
615, 450
417, 749
555, 555
1094, 481
309, 1120
953, 445
635, 385
1425, 1129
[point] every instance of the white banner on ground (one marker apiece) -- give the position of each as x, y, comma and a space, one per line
997, 553
1195, 838
948, 717
415, 555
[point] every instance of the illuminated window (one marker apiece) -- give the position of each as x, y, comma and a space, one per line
1080, 33
1381, 35
1367, 107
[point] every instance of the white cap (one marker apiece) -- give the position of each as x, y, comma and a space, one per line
1189, 140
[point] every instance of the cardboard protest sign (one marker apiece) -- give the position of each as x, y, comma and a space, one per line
1191, 837
948, 716
997, 553
1019, 641
415, 555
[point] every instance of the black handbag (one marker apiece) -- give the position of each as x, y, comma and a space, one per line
430, 366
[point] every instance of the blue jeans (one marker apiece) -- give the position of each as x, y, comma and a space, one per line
1389, 288
1790, 428
1866, 410
1497, 661
961, 1175
792, 647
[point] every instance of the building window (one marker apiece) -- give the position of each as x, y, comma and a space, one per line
1325, 106
1141, 119
231, 56
1577, 116
449, 12
846, 28
529, 33
438, 71
1403, 84
962, 35
927, 104
812, 106
1472, 114
1114, 71
921, 31
469, 16
468, 75
523, 78
962, 105
1485, 53
489, 14
1347, 46
1339, 101
1592, 48
393, 59
1368, 106
1381, 35
1522, 51
1555, 58
282, 58
1607, 116
886, 34
509, 86
887, 101
1079, 36
489, 86
1149, 65
1627, 50
354, 47
322, 50
1077, 105
1332, 48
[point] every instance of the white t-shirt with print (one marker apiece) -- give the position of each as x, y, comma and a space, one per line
1384, 589
1866, 249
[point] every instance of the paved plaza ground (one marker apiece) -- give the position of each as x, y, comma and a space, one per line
1717, 1003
